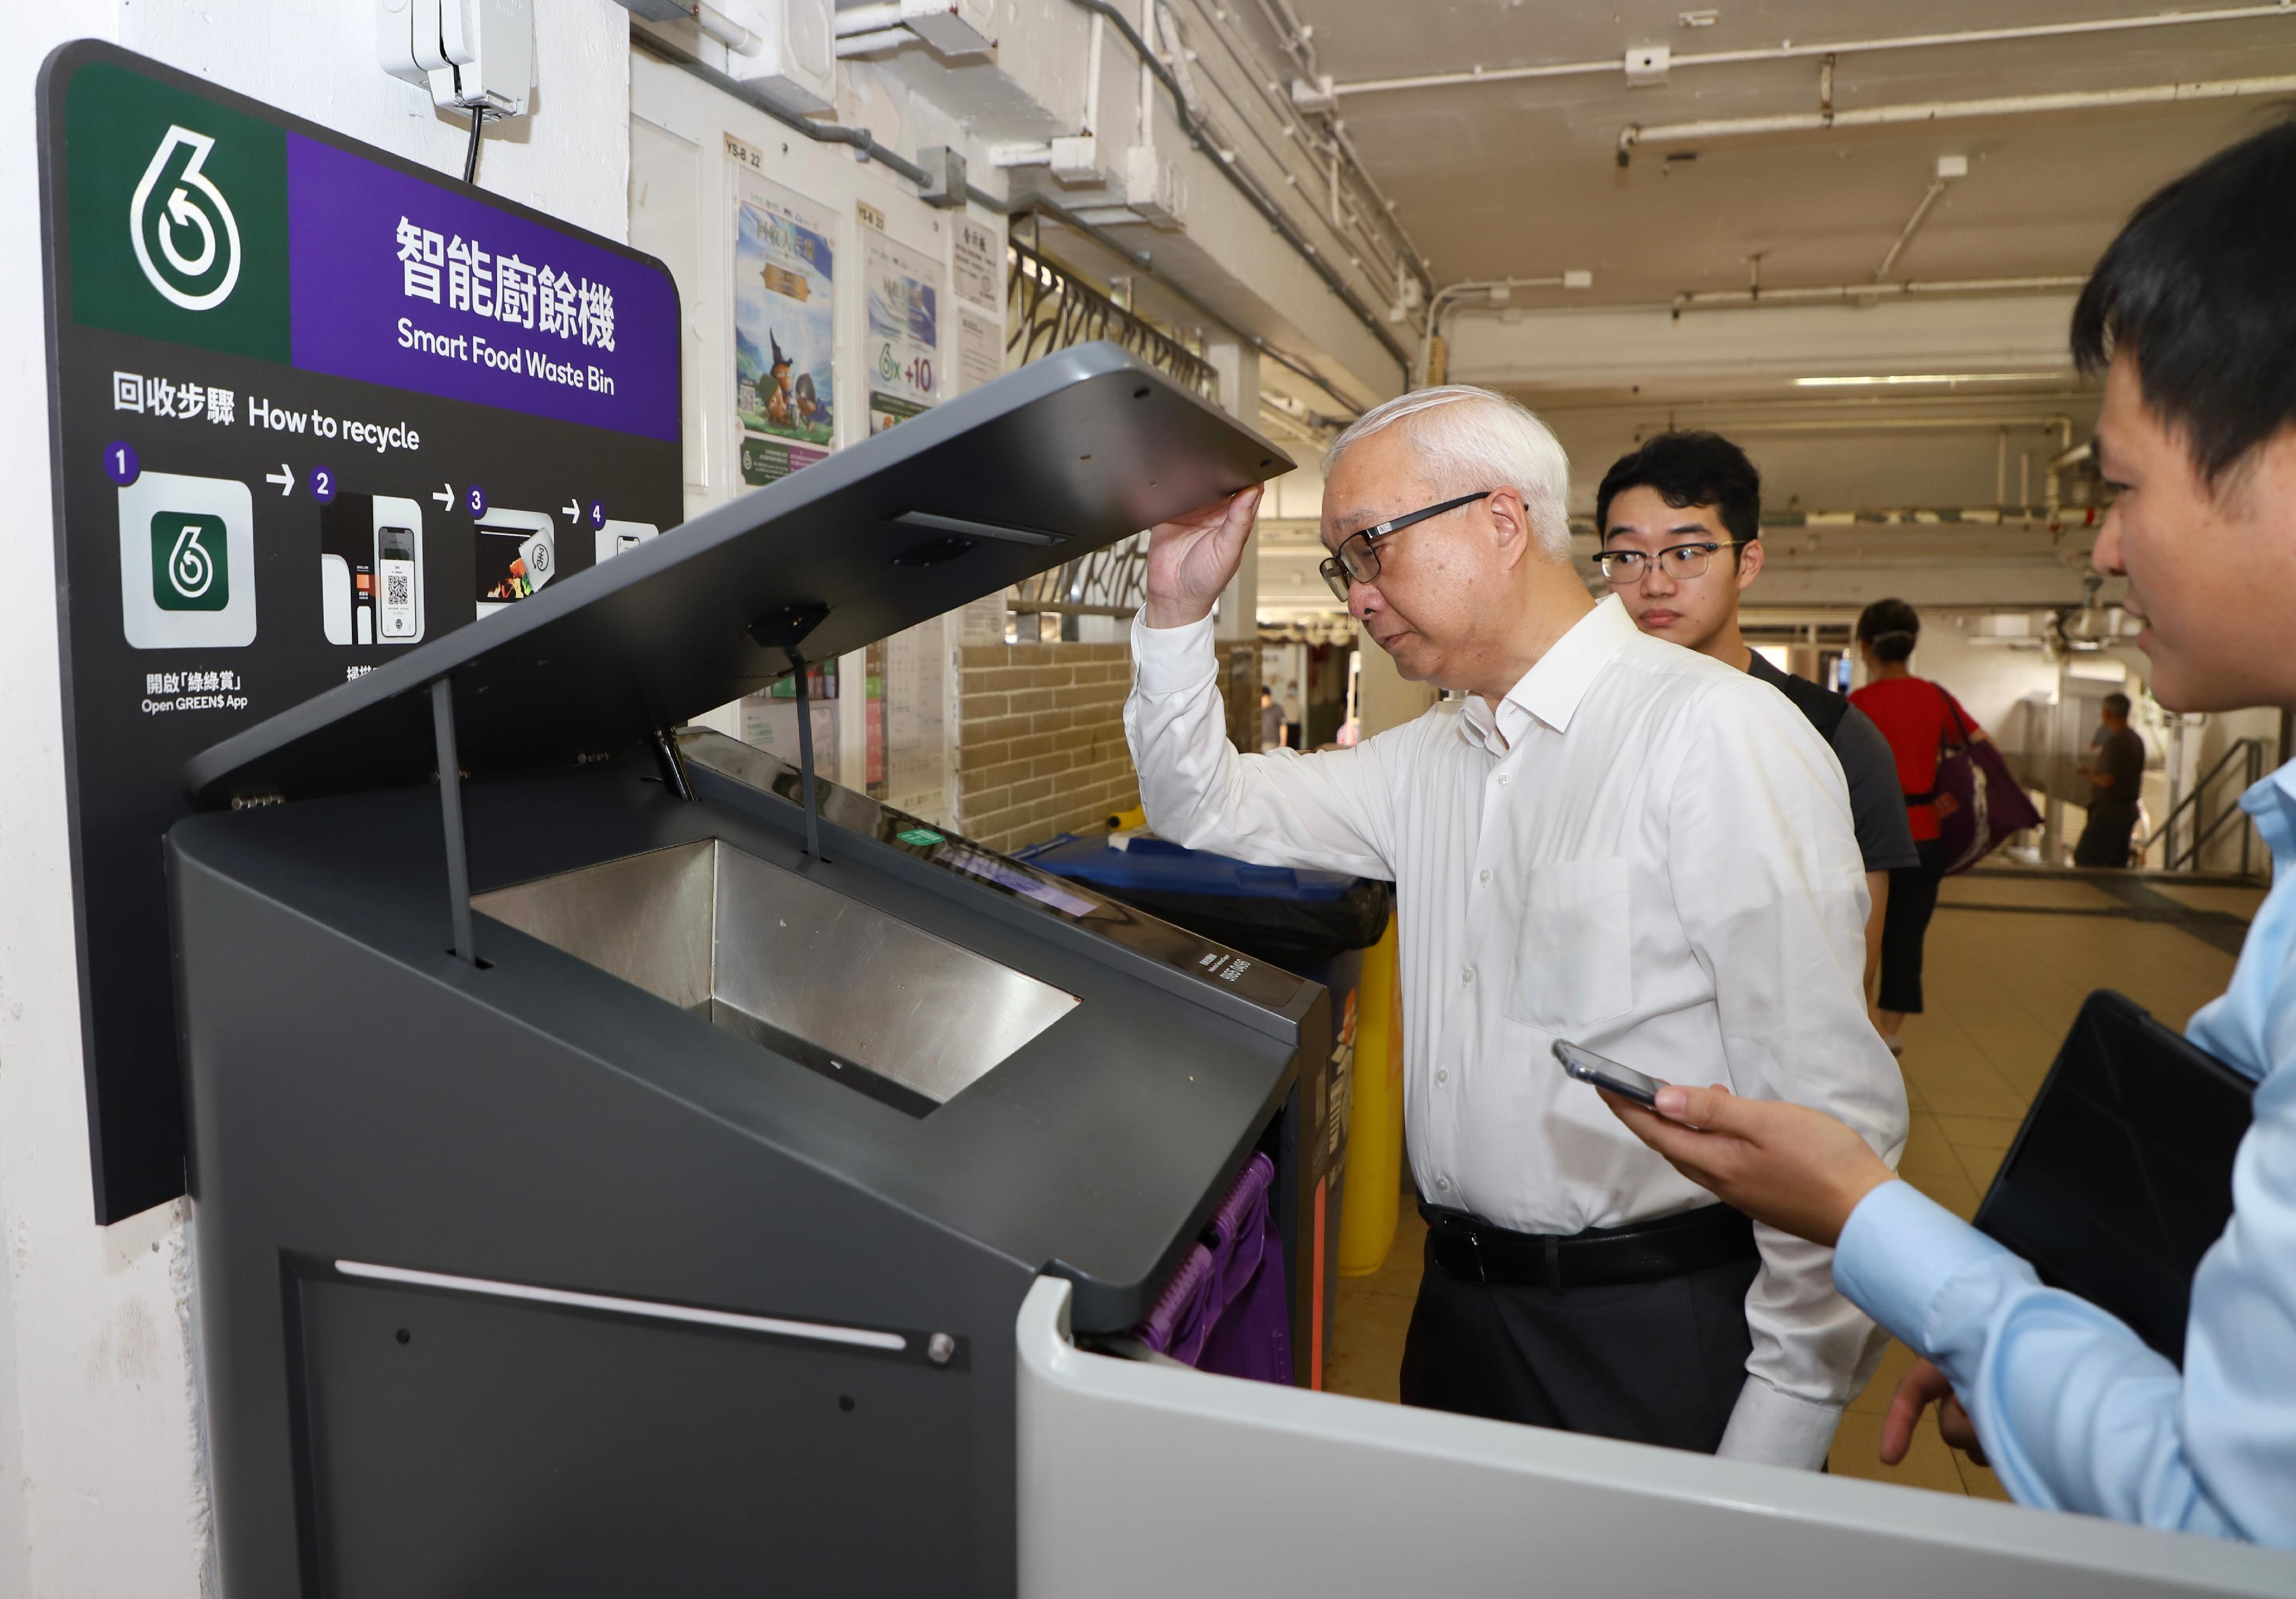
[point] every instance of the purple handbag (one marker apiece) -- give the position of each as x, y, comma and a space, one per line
1988, 802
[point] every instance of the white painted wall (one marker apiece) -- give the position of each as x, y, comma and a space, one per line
100, 1490
1988, 679
682, 193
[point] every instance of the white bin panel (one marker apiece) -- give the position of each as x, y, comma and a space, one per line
1155, 1482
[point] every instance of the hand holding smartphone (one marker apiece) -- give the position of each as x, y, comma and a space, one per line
1624, 1081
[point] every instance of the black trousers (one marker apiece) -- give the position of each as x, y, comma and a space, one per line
1653, 1363
2104, 842
1905, 924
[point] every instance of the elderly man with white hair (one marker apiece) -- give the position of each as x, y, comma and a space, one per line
1609, 840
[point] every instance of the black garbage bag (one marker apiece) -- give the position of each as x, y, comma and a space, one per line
1290, 933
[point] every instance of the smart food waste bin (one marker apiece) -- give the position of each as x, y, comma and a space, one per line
1315, 923
621, 1165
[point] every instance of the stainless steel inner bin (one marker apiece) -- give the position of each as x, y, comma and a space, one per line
792, 964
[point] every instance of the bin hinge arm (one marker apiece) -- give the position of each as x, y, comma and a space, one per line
784, 629
805, 760
671, 759
450, 809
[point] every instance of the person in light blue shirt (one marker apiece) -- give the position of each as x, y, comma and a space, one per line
2190, 315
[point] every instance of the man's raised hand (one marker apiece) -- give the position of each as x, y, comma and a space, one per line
1192, 558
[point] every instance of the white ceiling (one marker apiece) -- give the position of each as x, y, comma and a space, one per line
1520, 178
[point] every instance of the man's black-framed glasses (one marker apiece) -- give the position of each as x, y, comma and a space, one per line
1624, 569
1356, 560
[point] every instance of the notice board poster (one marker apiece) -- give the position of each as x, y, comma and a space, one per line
310, 404
977, 262
980, 349
904, 331
784, 330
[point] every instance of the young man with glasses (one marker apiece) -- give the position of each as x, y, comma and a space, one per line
2189, 316
1609, 841
1681, 523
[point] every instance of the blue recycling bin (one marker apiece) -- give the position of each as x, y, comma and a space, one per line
1318, 924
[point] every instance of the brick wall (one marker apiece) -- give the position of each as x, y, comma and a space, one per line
1040, 744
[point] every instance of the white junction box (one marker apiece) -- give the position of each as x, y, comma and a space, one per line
788, 53
1646, 65
474, 54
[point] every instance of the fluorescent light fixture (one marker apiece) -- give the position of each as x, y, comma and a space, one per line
1925, 377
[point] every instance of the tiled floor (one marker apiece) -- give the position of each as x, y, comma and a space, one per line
2003, 986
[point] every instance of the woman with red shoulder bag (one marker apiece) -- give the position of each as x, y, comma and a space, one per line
1919, 718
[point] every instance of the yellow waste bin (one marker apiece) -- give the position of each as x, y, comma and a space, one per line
1370, 1200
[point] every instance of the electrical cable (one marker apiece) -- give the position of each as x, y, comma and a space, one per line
471, 157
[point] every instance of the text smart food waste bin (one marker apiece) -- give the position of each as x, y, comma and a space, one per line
1315, 923
618, 1161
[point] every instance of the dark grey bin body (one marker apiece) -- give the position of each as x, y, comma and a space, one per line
404, 1165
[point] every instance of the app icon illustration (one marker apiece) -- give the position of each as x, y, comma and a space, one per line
186, 562
191, 561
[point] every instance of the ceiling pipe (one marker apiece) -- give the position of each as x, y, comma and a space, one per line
2064, 461
1946, 111
1702, 300
1855, 423
870, 43
727, 31
1948, 169
1496, 290
868, 19
1792, 51
1272, 215
866, 146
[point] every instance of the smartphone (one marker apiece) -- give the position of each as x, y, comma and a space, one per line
1588, 1067
395, 552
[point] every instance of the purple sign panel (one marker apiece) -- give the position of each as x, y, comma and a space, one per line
394, 280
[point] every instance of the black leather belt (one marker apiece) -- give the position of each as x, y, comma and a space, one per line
1478, 1252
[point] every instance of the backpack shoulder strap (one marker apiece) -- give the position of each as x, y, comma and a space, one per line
1826, 710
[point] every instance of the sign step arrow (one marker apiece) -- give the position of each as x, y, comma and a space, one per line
284, 477
446, 495
572, 512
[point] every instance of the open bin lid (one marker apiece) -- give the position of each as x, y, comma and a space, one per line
1064, 457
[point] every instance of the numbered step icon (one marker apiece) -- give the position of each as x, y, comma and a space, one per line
120, 463
597, 515
323, 484
474, 500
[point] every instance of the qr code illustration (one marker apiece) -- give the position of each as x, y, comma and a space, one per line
395, 589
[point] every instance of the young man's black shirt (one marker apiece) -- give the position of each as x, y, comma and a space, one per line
1877, 804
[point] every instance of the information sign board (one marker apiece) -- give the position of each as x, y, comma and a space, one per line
311, 404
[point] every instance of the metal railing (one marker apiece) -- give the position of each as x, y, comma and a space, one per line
2249, 752
1108, 582
1048, 308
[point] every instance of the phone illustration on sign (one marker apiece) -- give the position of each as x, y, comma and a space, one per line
613, 538
371, 570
